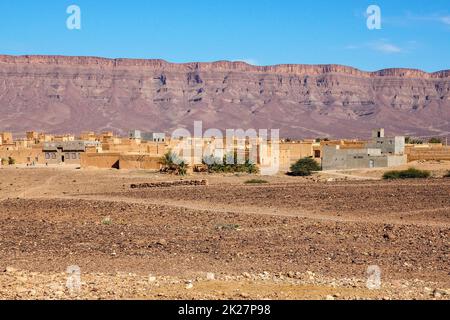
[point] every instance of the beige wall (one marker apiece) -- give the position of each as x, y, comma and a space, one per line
139, 162
131, 146
100, 160
120, 161
24, 156
427, 152
291, 152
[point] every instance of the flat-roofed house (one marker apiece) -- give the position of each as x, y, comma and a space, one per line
379, 152
153, 136
68, 152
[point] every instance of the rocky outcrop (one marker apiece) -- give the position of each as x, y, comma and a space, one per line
71, 94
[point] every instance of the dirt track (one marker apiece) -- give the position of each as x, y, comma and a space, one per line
292, 238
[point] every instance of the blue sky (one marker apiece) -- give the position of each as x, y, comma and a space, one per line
414, 34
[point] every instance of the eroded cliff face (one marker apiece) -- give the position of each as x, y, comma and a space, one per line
72, 94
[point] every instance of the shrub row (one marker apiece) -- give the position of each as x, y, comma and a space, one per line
411, 173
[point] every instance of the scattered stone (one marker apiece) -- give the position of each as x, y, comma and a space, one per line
170, 184
438, 293
310, 275
59, 293
189, 285
21, 290
291, 274
10, 270
162, 242
388, 236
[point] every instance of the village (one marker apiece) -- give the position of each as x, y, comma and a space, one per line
111, 208
142, 150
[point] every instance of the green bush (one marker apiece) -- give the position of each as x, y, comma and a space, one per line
11, 161
435, 140
4, 162
256, 181
182, 168
230, 165
411, 173
107, 221
304, 167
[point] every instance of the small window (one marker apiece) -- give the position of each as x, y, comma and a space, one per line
74, 155
47, 155
53, 155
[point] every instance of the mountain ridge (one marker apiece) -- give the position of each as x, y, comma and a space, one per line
220, 64
60, 94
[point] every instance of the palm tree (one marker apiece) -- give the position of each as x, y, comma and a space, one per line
182, 168
167, 159
172, 165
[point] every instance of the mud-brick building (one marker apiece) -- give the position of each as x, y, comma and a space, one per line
20, 151
428, 152
6, 138
291, 152
67, 152
33, 155
117, 160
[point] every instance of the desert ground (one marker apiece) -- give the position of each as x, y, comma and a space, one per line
290, 238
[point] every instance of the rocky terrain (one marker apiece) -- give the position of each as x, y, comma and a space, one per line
71, 94
291, 238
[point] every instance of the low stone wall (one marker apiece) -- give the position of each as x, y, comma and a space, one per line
168, 184
434, 154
